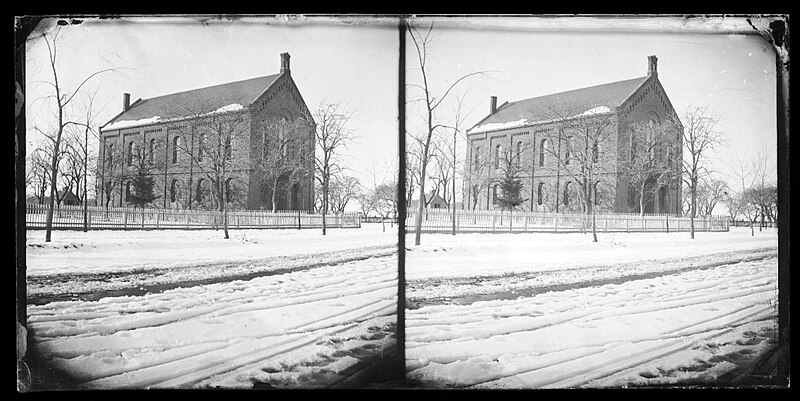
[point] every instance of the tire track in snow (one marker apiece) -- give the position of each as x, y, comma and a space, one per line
197, 367
665, 267
101, 285
677, 339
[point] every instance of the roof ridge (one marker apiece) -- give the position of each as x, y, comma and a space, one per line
578, 89
205, 87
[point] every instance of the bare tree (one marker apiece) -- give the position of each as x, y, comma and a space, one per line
431, 102
699, 138
710, 192
110, 172
342, 190
582, 153
331, 135
37, 174
285, 154
479, 178
62, 98
216, 141
651, 159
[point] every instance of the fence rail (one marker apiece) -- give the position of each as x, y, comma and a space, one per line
498, 222
118, 218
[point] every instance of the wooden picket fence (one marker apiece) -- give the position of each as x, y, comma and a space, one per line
440, 221
119, 218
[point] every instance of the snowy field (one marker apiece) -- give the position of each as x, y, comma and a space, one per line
558, 311
313, 311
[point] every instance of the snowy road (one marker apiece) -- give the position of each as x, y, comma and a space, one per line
658, 321
303, 320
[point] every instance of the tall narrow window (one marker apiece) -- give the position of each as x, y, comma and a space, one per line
497, 151
201, 147
176, 142
595, 153
151, 151
199, 195
173, 189
229, 190
130, 153
477, 158
519, 153
542, 149
568, 150
494, 193
540, 193
110, 155
566, 193
596, 190
127, 191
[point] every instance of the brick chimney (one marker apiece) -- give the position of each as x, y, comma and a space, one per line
126, 102
492, 105
652, 65
285, 63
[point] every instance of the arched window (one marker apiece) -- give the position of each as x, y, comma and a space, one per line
229, 190
494, 193
130, 153
477, 158
201, 147
542, 149
176, 143
127, 191
173, 190
568, 150
151, 151
497, 151
200, 190
662, 199
567, 192
540, 194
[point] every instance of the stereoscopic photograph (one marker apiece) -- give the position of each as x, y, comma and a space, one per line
401, 202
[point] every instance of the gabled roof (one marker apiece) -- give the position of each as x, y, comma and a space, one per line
217, 97
591, 100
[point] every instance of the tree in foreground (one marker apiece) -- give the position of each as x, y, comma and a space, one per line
331, 135
699, 139
431, 102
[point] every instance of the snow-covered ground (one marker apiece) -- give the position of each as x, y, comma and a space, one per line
546, 310
298, 327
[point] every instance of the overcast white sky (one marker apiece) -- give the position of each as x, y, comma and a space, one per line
700, 62
353, 62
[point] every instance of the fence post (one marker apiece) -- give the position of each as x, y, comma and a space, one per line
494, 221
88, 220
124, 219
187, 220
556, 225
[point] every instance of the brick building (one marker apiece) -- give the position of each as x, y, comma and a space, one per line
536, 130
177, 134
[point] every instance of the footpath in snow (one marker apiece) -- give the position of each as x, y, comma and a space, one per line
692, 312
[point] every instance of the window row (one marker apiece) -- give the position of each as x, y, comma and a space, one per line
502, 158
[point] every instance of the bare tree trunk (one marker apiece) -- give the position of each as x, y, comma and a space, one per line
694, 208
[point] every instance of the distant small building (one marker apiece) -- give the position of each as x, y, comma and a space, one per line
65, 197
432, 201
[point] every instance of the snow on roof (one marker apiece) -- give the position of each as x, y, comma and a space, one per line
220, 98
587, 101
157, 119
